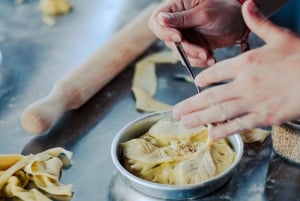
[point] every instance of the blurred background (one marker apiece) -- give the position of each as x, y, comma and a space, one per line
289, 16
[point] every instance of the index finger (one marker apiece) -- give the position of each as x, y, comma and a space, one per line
222, 71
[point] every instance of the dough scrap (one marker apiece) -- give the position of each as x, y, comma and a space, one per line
7, 160
52, 8
35, 177
254, 135
146, 103
144, 82
55, 7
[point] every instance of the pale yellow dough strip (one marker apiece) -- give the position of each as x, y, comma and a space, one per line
35, 177
144, 83
254, 135
17, 166
7, 160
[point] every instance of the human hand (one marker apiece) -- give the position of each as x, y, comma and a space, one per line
264, 83
200, 25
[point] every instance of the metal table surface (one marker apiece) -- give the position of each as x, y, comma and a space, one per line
36, 55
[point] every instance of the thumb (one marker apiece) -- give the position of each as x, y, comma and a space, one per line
181, 19
259, 24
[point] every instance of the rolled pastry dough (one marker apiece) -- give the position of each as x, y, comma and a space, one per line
176, 155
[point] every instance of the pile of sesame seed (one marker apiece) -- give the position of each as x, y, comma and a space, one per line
286, 142
186, 148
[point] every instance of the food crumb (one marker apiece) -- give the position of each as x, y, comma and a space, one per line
55, 7
49, 20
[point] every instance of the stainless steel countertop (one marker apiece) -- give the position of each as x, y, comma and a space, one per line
36, 55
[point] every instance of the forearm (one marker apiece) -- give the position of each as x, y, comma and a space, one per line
268, 7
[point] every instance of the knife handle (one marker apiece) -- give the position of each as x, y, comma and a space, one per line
75, 88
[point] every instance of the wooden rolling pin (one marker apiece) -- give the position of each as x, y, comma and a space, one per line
75, 88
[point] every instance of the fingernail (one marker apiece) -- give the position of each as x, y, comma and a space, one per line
211, 61
164, 15
252, 7
175, 38
163, 19
202, 56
